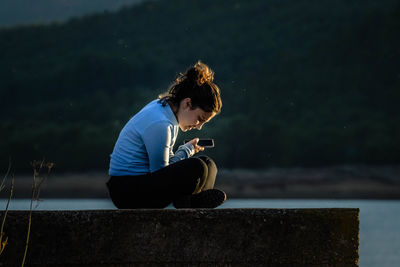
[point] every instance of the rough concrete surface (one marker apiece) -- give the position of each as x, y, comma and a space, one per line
221, 237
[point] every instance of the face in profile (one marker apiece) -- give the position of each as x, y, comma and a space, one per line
190, 118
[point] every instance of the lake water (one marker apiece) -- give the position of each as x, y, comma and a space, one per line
379, 220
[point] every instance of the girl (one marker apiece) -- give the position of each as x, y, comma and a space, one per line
144, 171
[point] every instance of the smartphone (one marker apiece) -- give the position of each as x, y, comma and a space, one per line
207, 143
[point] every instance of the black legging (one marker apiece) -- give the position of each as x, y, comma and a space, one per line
160, 188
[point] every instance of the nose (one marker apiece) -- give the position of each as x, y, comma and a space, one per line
199, 125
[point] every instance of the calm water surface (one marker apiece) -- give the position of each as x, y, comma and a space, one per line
379, 220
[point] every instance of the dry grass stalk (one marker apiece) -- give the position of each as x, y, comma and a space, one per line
41, 171
5, 176
3, 243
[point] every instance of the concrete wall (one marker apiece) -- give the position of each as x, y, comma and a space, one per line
221, 237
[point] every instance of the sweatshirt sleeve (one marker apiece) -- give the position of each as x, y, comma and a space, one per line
184, 151
157, 140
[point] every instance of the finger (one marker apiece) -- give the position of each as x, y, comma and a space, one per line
194, 141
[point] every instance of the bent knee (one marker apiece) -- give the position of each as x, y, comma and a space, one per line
198, 166
209, 162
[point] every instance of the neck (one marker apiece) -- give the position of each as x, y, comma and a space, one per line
174, 109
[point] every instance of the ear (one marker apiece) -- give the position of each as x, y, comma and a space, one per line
187, 102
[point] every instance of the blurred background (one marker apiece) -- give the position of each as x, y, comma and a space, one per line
310, 94
310, 88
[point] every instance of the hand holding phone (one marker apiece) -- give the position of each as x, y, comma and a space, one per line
205, 142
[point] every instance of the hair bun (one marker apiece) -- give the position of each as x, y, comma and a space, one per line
204, 73
197, 83
199, 74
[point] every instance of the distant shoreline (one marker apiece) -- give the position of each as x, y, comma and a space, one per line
341, 182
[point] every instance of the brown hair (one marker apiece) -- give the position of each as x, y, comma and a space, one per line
197, 84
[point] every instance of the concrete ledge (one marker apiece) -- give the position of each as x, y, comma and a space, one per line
221, 237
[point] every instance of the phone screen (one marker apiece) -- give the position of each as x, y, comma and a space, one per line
203, 142
206, 142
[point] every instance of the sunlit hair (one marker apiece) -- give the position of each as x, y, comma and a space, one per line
197, 84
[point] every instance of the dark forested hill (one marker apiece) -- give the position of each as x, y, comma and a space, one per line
311, 82
24, 12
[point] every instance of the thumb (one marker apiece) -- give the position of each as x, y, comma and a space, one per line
194, 141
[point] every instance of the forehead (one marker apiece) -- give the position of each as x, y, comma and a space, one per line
203, 114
